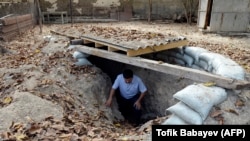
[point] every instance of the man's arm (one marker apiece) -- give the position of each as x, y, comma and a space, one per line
109, 101
138, 102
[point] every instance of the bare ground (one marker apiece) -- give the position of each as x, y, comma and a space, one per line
46, 59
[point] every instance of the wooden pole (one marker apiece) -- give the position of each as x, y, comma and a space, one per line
71, 13
150, 10
39, 15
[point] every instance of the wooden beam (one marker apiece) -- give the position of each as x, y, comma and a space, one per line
15, 27
62, 34
87, 41
196, 75
112, 49
99, 45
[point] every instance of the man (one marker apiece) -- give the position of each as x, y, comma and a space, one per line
129, 97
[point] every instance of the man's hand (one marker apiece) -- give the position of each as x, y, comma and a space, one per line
108, 102
137, 105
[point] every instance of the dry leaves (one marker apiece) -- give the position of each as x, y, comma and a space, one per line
217, 114
77, 124
232, 111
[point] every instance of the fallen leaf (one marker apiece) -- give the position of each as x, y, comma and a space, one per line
20, 137
209, 84
65, 135
37, 51
117, 125
239, 103
7, 100
216, 113
232, 111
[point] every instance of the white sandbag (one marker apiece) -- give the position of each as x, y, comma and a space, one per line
71, 47
174, 60
209, 56
184, 57
201, 98
82, 62
194, 66
204, 65
216, 60
194, 51
78, 54
231, 71
188, 59
186, 113
174, 120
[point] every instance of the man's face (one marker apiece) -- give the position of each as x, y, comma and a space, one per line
128, 80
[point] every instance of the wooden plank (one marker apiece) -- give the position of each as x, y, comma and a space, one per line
62, 34
14, 27
112, 49
147, 50
14, 19
196, 75
10, 35
87, 41
103, 43
99, 45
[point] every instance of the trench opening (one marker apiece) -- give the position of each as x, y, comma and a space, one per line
160, 86
112, 69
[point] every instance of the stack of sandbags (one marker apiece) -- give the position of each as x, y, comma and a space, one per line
77, 55
81, 58
195, 104
202, 59
12, 25
223, 66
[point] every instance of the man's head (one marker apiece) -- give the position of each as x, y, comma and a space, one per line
128, 75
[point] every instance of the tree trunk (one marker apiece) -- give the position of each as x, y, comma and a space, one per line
150, 10
37, 2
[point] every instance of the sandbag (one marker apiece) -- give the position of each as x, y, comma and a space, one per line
78, 54
194, 66
204, 65
174, 60
82, 62
186, 113
231, 71
210, 56
186, 59
201, 98
174, 120
194, 51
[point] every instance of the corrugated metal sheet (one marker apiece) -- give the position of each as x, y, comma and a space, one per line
129, 39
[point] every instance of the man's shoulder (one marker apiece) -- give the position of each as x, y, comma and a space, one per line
119, 76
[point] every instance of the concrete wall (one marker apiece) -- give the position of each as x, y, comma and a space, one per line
15, 8
161, 9
226, 15
230, 15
